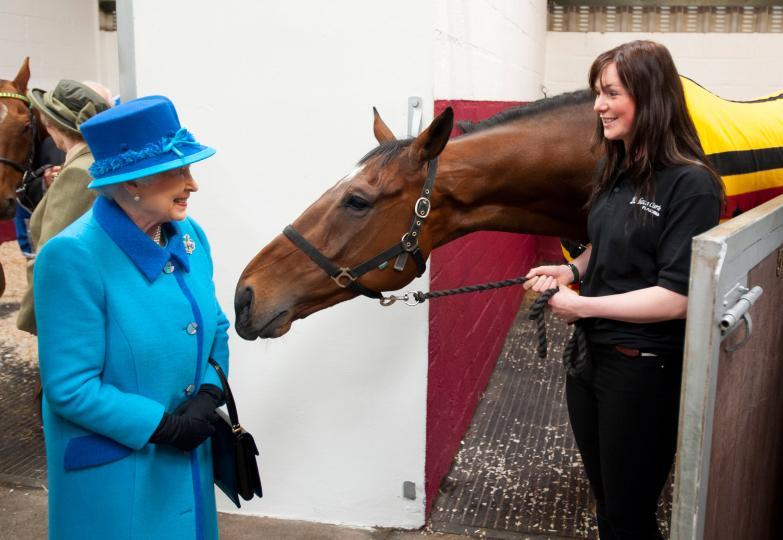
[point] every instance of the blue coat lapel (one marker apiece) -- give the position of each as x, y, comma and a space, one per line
149, 257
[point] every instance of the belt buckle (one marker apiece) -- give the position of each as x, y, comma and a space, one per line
627, 351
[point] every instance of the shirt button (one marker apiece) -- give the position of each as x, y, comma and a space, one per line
617, 189
169, 268
192, 328
189, 390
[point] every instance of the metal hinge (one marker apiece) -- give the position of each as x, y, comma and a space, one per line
415, 110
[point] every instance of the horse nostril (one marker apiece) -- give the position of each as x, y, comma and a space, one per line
243, 302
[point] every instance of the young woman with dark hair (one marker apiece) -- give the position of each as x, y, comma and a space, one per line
654, 192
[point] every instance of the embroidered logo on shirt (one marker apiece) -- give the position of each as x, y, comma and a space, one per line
647, 206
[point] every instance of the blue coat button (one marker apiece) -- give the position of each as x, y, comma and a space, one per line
169, 268
189, 390
192, 328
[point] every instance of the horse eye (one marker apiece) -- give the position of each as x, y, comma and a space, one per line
354, 202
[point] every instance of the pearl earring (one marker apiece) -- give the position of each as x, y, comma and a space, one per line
136, 198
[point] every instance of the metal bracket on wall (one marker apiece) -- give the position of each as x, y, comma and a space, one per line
738, 313
414, 115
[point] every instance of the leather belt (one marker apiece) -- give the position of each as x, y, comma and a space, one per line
632, 353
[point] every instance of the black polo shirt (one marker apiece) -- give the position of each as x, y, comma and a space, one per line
639, 243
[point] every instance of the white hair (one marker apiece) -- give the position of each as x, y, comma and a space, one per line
101, 90
110, 191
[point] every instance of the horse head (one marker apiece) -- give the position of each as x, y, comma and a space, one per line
359, 219
16, 137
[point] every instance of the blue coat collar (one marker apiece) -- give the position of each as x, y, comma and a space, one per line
149, 257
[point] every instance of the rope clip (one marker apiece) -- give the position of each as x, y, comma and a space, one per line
409, 298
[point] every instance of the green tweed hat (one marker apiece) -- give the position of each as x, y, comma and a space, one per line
69, 104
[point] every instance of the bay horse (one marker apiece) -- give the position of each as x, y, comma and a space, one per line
526, 170
20, 132
518, 175
18, 137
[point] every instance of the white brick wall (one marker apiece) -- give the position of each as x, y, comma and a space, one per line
489, 50
61, 39
733, 66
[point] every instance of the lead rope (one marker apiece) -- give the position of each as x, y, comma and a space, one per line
576, 354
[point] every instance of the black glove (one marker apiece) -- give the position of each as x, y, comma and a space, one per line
203, 404
191, 423
183, 432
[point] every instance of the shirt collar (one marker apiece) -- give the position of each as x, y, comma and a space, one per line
149, 257
76, 150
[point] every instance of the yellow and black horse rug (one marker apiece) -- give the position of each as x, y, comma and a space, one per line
743, 141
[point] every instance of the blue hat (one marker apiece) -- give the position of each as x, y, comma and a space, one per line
139, 138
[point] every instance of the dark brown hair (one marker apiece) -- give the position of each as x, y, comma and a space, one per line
663, 134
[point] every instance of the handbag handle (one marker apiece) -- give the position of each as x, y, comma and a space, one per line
229, 397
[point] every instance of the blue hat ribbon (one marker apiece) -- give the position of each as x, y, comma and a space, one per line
181, 137
167, 144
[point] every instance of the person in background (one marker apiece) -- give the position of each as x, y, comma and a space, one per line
62, 111
655, 192
47, 163
127, 321
21, 221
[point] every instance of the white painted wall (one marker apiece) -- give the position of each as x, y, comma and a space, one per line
284, 91
61, 37
489, 50
733, 66
108, 65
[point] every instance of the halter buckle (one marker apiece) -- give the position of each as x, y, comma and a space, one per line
345, 274
427, 207
409, 243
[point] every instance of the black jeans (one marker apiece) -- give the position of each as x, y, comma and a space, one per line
623, 412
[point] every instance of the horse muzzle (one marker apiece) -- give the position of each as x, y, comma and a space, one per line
250, 324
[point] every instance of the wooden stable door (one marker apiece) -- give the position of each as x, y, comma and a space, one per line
729, 471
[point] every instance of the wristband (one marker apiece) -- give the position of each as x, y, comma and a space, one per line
575, 271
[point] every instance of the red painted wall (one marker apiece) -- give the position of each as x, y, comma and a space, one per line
467, 332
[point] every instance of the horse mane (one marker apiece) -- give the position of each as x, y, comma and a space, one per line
537, 107
387, 151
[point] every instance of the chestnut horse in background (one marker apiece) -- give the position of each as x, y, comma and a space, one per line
20, 132
527, 170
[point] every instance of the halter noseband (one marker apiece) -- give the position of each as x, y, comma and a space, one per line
27, 167
347, 278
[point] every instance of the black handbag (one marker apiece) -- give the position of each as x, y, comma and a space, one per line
233, 451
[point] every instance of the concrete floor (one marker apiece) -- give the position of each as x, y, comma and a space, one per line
23, 516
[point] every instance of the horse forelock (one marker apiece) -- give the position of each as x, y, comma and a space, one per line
386, 151
533, 109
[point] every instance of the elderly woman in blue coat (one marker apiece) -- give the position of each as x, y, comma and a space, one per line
127, 320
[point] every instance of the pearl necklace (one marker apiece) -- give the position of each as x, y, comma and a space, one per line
156, 236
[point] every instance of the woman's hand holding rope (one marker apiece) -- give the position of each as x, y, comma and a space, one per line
551, 282
567, 303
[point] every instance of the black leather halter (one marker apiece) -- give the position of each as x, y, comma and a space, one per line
27, 167
346, 277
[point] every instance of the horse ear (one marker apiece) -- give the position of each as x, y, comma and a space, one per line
430, 142
380, 129
23, 77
